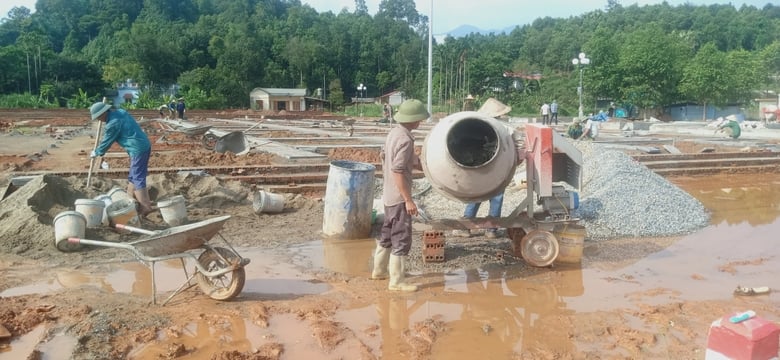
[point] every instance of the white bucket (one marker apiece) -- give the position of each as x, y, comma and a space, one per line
173, 210
266, 202
106, 202
123, 212
92, 211
68, 224
117, 194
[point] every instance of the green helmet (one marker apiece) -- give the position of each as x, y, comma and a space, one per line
98, 109
410, 111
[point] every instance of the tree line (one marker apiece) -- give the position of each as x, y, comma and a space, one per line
216, 51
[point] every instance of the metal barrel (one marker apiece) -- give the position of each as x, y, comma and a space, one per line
349, 199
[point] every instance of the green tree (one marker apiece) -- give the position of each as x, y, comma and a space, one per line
650, 64
704, 79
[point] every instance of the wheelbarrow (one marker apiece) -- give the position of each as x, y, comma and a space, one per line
234, 141
191, 133
219, 271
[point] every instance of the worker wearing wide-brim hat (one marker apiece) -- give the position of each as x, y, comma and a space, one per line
181, 108
399, 159
121, 127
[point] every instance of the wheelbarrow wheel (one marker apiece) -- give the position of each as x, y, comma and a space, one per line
225, 286
209, 141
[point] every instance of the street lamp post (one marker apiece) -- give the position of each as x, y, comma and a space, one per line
361, 90
580, 61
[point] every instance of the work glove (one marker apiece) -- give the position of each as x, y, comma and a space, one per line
93, 154
104, 165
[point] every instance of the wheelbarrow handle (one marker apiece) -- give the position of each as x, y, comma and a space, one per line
134, 229
75, 240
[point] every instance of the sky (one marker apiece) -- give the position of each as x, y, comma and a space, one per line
483, 14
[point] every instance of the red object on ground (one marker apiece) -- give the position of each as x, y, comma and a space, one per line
752, 339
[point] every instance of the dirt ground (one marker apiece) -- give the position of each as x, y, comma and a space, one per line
610, 307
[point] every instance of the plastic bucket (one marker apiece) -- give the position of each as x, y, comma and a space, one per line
349, 199
106, 202
68, 224
123, 212
266, 202
173, 210
117, 194
571, 240
92, 211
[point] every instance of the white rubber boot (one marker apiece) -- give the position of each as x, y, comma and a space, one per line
381, 259
397, 277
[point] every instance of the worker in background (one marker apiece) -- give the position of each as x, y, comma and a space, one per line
554, 112
545, 110
591, 128
165, 111
575, 129
497, 201
399, 159
121, 127
388, 113
181, 108
172, 108
730, 127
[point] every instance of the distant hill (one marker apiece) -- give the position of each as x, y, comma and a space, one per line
464, 30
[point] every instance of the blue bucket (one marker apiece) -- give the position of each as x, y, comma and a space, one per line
349, 200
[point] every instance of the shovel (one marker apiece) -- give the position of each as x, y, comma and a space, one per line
97, 141
92, 160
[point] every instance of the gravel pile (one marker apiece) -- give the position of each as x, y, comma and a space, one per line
620, 198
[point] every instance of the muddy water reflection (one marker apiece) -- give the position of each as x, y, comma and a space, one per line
495, 311
734, 199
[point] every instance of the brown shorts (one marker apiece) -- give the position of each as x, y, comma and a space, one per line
397, 230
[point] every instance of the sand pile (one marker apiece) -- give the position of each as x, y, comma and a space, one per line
27, 214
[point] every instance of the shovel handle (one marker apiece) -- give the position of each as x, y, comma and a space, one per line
92, 160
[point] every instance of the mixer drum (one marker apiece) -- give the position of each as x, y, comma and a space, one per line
469, 157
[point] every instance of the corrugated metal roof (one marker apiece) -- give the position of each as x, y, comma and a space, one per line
282, 92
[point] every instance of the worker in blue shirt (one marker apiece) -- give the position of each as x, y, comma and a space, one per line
121, 128
180, 108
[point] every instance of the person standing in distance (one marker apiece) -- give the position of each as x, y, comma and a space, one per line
121, 127
554, 111
545, 110
172, 109
181, 108
399, 160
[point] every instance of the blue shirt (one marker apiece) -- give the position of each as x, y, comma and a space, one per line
123, 129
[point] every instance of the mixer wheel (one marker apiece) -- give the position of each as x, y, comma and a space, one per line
539, 248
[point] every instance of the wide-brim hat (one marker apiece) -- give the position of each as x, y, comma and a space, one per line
410, 111
98, 108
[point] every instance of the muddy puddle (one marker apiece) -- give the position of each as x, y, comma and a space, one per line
488, 313
267, 276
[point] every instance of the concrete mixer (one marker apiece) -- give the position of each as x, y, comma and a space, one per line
470, 157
